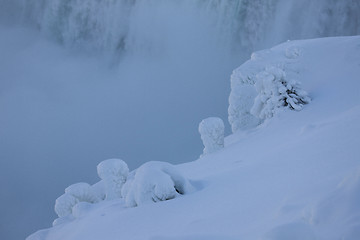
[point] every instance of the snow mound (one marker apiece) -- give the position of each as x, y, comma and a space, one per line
212, 134
154, 182
113, 172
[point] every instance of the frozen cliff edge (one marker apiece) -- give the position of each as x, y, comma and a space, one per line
294, 177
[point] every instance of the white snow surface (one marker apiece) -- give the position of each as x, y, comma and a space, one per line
296, 176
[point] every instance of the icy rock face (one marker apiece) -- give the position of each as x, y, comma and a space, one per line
212, 134
113, 173
154, 182
264, 85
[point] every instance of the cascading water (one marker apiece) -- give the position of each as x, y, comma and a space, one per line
61, 114
137, 24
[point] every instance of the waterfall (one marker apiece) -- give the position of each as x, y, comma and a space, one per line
132, 25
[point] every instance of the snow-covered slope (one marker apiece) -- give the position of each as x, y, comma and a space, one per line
296, 176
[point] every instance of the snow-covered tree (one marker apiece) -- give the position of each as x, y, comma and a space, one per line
212, 134
114, 173
276, 91
153, 182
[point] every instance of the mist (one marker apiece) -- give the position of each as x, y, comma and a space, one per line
130, 80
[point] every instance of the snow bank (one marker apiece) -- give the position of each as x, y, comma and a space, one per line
212, 134
153, 182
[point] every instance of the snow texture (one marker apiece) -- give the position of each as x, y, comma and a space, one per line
212, 134
113, 172
154, 182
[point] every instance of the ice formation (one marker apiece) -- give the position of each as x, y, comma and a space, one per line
114, 173
212, 134
153, 182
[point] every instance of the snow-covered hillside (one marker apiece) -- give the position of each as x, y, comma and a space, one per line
294, 176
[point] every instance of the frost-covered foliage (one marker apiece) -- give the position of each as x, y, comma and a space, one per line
64, 204
212, 134
276, 91
82, 192
99, 190
75, 193
113, 172
154, 182
263, 85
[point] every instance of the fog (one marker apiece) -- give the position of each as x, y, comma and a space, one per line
130, 80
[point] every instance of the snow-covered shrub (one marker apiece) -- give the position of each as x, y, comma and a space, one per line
99, 190
212, 134
153, 182
75, 193
82, 192
242, 99
114, 173
64, 204
242, 96
276, 91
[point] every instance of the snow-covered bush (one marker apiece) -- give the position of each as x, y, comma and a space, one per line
64, 204
212, 134
99, 190
242, 99
82, 192
276, 91
114, 173
153, 182
242, 96
75, 193
263, 85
